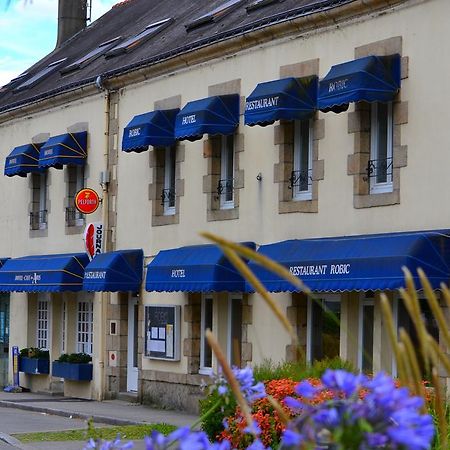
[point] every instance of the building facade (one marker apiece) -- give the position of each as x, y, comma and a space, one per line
276, 125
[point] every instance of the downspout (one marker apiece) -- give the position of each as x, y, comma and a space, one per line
104, 183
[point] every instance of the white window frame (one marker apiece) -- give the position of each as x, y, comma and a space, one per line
224, 172
362, 302
328, 298
168, 182
231, 298
85, 346
205, 370
79, 184
43, 322
379, 188
298, 149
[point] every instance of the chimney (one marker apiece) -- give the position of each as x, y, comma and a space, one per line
72, 17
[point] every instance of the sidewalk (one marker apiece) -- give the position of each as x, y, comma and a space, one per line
113, 412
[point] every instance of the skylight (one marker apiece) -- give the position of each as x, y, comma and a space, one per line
89, 57
260, 3
40, 75
131, 43
214, 15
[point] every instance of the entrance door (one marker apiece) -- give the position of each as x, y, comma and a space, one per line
4, 339
132, 365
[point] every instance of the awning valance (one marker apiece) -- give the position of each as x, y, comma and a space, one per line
211, 115
285, 99
368, 79
358, 263
65, 149
44, 273
153, 128
23, 160
196, 268
119, 271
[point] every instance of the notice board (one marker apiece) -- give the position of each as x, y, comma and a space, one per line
162, 332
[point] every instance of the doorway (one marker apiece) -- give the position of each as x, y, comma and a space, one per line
4, 339
132, 362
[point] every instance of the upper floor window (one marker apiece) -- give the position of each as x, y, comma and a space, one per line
38, 213
381, 160
168, 195
301, 177
225, 188
75, 182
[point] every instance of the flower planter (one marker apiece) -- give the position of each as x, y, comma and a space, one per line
34, 366
74, 372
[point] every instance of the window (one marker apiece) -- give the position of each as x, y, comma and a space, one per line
366, 317
168, 193
234, 330
206, 322
89, 57
214, 15
260, 3
52, 67
43, 321
38, 214
323, 328
380, 164
301, 177
85, 326
75, 182
225, 188
131, 43
63, 326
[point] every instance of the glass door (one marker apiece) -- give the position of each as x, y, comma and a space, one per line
4, 339
132, 363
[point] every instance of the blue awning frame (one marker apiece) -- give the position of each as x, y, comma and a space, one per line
23, 160
358, 263
118, 271
64, 149
196, 268
212, 115
284, 99
369, 79
156, 128
44, 273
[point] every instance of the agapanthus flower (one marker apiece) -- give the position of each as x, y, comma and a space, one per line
99, 444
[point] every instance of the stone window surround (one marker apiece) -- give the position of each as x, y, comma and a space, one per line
157, 164
212, 149
359, 126
75, 229
39, 139
284, 140
297, 316
192, 343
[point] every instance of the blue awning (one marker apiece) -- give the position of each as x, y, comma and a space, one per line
369, 79
23, 160
211, 115
44, 273
2, 261
358, 263
119, 271
286, 99
65, 149
196, 268
153, 128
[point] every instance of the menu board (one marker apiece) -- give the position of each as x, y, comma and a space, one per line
162, 332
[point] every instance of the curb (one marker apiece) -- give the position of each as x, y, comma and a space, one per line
13, 441
71, 415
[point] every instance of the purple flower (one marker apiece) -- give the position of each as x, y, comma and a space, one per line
306, 389
291, 438
343, 381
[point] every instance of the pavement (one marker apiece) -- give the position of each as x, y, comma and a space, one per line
110, 412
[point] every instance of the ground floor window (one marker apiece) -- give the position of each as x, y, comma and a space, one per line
324, 315
206, 322
366, 318
43, 323
85, 326
234, 345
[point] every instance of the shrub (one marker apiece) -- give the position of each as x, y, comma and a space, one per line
75, 358
35, 353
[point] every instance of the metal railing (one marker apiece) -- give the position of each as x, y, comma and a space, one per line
225, 189
379, 170
73, 217
38, 220
301, 180
168, 198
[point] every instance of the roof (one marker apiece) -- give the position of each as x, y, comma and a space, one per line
131, 17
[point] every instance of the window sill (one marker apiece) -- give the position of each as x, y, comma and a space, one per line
381, 189
205, 371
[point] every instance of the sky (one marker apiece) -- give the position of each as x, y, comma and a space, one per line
28, 30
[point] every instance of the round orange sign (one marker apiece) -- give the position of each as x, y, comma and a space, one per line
87, 201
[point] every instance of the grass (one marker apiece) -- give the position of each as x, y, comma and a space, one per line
128, 432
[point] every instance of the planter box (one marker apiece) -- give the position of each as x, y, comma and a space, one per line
75, 372
34, 366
